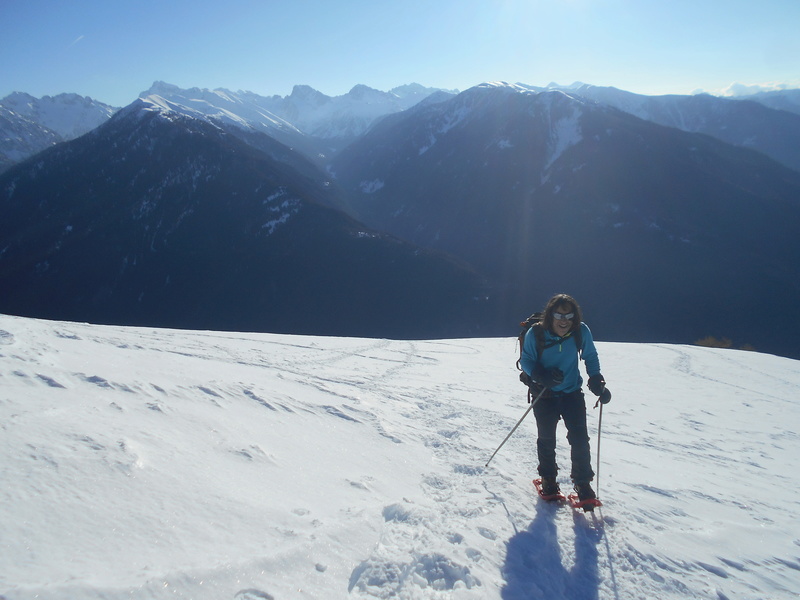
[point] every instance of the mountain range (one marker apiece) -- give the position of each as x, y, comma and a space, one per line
158, 218
308, 119
414, 213
668, 233
317, 123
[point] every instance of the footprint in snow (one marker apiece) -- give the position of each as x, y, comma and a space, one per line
398, 513
468, 469
474, 555
389, 578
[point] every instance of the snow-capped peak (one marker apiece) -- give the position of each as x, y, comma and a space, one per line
515, 87
304, 111
161, 88
239, 109
69, 115
307, 95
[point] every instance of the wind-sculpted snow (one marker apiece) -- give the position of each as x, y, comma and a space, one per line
154, 464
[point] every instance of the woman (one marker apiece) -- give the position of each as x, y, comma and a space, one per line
552, 365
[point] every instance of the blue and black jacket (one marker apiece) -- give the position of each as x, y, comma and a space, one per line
561, 353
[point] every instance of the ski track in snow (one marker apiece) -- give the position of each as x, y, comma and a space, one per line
158, 459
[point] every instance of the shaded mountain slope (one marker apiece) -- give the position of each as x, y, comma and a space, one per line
156, 218
663, 234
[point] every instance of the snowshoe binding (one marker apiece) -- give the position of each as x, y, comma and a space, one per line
548, 490
584, 497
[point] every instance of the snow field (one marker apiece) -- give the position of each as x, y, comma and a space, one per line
144, 463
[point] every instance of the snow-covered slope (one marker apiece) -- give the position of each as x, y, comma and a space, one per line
21, 137
788, 100
222, 105
69, 115
144, 463
306, 110
748, 121
29, 125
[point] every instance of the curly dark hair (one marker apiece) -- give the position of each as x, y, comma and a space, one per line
558, 301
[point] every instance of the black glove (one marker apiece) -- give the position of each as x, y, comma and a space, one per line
536, 389
548, 378
605, 397
597, 384
534, 386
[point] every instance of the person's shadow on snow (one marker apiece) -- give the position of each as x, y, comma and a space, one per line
535, 562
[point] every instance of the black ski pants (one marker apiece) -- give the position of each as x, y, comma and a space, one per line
572, 408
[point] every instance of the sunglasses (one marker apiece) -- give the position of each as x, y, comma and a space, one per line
559, 316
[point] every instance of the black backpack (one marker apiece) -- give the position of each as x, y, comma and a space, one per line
535, 322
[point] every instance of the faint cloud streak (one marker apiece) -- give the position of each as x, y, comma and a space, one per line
747, 89
737, 89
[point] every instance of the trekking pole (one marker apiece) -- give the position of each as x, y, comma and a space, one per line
599, 426
607, 395
530, 408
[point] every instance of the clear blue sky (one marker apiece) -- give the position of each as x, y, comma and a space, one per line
112, 50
